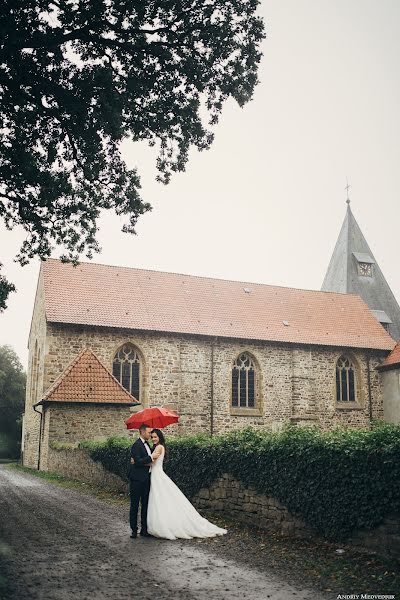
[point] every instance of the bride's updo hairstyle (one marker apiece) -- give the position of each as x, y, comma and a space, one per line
161, 437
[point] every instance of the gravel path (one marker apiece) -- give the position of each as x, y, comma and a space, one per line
67, 545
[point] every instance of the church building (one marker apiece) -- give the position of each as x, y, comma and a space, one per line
107, 340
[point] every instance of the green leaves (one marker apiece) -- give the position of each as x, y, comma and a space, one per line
5, 289
76, 79
336, 481
12, 399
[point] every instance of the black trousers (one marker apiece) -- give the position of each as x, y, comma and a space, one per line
139, 491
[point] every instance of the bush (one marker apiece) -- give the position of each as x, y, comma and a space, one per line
336, 481
8, 446
114, 454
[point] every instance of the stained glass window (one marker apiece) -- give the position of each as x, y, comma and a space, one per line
345, 380
126, 368
243, 382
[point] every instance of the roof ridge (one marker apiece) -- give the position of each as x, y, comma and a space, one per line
349, 215
136, 299
204, 277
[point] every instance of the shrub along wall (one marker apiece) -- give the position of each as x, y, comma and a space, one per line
337, 482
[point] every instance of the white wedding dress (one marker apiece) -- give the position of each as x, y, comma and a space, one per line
170, 514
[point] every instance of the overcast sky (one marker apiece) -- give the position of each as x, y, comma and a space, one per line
266, 203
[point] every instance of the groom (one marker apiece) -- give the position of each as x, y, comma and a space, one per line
139, 476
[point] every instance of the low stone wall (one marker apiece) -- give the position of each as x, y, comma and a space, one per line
225, 495
231, 497
384, 539
77, 464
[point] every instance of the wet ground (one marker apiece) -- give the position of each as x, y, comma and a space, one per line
61, 544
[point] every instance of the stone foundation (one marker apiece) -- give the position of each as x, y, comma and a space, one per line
231, 497
77, 464
384, 539
71, 423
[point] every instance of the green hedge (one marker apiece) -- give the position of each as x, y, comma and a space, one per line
335, 481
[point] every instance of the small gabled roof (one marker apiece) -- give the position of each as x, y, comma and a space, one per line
362, 257
87, 380
135, 299
392, 361
381, 316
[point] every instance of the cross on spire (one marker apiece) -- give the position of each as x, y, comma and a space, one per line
347, 190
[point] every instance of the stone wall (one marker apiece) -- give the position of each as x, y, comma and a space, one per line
71, 423
294, 383
391, 389
384, 539
348, 414
231, 497
35, 377
76, 464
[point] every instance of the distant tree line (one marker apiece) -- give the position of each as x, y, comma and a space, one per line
12, 398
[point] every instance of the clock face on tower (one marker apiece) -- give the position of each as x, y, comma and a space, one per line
365, 269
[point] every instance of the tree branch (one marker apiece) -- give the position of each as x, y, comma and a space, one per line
84, 35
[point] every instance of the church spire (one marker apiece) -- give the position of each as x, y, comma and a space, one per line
354, 270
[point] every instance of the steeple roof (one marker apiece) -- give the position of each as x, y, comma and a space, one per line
354, 270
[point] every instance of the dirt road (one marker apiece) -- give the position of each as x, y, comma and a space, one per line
65, 545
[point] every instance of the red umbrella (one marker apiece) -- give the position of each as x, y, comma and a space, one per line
153, 417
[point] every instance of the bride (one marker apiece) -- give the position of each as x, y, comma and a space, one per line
170, 514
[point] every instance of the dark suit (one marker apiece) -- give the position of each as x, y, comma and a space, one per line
139, 476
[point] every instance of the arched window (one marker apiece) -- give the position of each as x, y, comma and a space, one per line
244, 382
126, 368
345, 380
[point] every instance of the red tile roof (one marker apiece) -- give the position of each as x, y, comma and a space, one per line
393, 359
121, 297
87, 380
